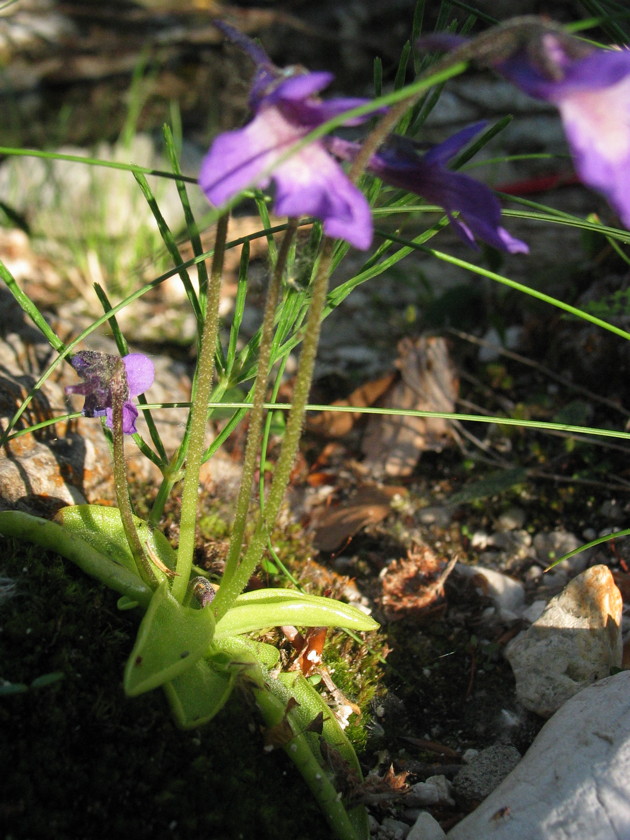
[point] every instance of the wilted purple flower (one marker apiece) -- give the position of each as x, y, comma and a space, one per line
398, 163
589, 86
309, 182
98, 371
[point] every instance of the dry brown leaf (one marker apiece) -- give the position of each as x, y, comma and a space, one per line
428, 382
334, 424
369, 505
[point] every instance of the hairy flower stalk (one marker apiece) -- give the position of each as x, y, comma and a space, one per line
254, 432
230, 589
119, 395
199, 417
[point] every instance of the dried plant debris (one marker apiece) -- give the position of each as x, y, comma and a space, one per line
413, 587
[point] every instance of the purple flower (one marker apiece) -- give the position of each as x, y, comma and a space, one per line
309, 182
592, 94
398, 163
590, 87
98, 371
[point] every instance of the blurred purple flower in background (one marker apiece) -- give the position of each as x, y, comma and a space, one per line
309, 182
589, 86
398, 163
97, 371
592, 93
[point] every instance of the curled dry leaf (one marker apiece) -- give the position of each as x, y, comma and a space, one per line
392, 444
334, 424
413, 587
369, 505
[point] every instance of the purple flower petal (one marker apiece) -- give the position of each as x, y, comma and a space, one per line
309, 182
592, 93
598, 70
441, 154
98, 370
313, 184
140, 373
237, 159
399, 165
300, 86
129, 417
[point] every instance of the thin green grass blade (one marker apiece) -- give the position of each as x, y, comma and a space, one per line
171, 245
12, 151
239, 309
191, 225
263, 211
30, 309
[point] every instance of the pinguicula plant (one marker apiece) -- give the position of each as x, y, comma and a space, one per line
197, 637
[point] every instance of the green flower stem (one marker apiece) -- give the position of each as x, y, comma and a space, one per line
198, 417
120, 393
274, 710
455, 61
231, 587
254, 434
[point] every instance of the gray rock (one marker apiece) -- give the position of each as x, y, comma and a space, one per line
435, 790
487, 769
575, 641
553, 544
572, 783
391, 829
507, 594
426, 827
511, 519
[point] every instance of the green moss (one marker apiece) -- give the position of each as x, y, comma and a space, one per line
213, 526
80, 759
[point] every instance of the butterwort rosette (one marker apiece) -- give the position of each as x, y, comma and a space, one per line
589, 86
472, 208
286, 107
101, 373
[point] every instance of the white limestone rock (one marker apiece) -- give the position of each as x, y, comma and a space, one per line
426, 827
572, 784
576, 641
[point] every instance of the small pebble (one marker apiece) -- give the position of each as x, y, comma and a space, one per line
551, 545
511, 519
485, 772
426, 827
436, 790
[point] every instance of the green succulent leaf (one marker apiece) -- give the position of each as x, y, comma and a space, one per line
170, 640
275, 607
102, 528
310, 704
90, 555
198, 694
